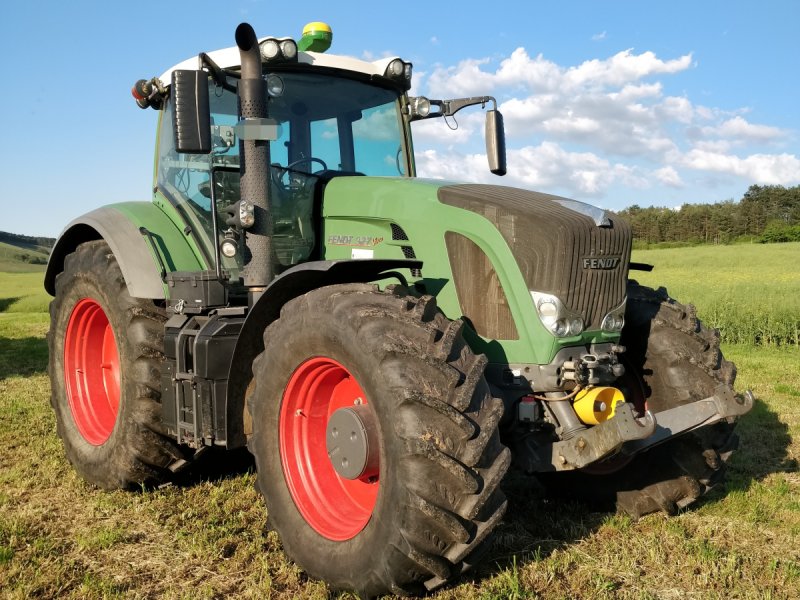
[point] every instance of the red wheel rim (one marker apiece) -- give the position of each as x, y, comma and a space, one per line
91, 371
335, 507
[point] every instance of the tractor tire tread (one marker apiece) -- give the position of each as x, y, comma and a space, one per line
138, 452
445, 421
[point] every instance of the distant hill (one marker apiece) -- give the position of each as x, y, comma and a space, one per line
23, 253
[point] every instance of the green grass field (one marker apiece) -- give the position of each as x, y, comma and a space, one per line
11, 258
751, 292
206, 536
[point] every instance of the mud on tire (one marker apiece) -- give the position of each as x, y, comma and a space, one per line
441, 460
677, 360
105, 350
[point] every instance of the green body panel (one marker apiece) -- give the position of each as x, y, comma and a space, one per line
168, 208
172, 214
177, 250
358, 212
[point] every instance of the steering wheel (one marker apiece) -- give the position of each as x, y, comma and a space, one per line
310, 159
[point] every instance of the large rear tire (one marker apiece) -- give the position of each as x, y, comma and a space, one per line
423, 510
105, 351
675, 360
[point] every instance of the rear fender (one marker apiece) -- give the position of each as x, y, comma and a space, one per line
290, 284
145, 242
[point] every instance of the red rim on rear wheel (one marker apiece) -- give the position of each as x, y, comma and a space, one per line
91, 371
335, 507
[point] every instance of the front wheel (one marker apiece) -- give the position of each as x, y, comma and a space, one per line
105, 353
673, 359
375, 440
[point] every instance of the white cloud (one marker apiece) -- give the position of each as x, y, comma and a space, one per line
454, 166
765, 169
465, 79
469, 127
668, 176
605, 122
624, 67
676, 108
739, 128
599, 37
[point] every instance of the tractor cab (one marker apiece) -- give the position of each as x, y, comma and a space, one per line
328, 116
322, 116
327, 125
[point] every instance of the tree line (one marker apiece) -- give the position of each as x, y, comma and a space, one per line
16, 239
768, 213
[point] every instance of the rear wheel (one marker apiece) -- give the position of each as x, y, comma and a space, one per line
105, 351
375, 439
674, 360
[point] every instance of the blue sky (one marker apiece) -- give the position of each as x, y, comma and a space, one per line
614, 103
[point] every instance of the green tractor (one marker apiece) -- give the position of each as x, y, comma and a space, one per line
385, 346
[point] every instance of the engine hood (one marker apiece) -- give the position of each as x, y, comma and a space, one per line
573, 250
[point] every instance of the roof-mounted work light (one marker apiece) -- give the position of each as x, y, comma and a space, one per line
399, 71
278, 50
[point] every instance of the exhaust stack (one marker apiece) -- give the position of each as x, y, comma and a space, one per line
254, 167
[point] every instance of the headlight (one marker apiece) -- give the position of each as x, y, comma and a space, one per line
274, 86
247, 217
419, 107
400, 71
614, 321
395, 68
289, 48
556, 317
283, 49
270, 49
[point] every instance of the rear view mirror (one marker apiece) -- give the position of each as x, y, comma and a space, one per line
191, 119
495, 142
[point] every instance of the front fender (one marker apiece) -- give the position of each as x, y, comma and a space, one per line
143, 255
290, 284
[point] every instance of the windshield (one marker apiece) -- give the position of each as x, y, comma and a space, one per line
328, 126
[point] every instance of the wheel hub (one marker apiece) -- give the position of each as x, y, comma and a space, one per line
350, 439
333, 498
91, 371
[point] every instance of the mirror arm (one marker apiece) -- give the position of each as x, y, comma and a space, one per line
217, 74
447, 108
451, 107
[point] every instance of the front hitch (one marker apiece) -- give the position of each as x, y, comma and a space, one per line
629, 435
724, 404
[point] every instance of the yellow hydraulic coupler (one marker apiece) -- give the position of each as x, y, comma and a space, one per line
597, 404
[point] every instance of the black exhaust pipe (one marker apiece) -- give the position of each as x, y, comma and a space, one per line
254, 161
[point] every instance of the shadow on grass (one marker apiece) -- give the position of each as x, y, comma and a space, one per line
763, 448
215, 464
537, 524
22, 356
6, 302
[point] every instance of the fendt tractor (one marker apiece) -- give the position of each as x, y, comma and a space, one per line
386, 347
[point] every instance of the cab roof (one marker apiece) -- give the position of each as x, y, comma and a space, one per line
229, 58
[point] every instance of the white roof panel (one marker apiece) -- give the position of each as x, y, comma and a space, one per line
228, 58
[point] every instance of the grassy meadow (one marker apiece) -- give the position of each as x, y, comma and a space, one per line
204, 537
749, 292
20, 259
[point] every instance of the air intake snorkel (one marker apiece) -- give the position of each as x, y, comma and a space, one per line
254, 163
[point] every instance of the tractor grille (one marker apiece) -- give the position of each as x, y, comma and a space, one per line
399, 234
479, 291
557, 243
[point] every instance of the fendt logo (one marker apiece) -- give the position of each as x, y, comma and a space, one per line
604, 262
